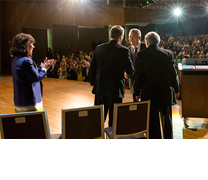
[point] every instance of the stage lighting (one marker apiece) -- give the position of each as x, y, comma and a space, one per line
177, 12
83, 1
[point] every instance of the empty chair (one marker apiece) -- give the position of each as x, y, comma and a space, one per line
130, 120
83, 123
25, 125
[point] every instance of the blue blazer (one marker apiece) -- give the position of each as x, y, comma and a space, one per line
27, 84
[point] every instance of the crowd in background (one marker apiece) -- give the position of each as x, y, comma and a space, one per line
186, 46
73, 67
76, 65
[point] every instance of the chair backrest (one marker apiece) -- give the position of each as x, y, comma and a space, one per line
83, 123
25, 125
131, 119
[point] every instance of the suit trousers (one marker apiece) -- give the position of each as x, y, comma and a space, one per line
165, 115
134, 98
108, 106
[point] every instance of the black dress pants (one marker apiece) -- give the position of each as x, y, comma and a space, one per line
108, 106
165, 113
134, 98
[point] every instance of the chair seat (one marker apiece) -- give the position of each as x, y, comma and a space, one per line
109, 132
56, 136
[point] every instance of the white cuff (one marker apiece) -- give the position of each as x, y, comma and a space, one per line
44, 69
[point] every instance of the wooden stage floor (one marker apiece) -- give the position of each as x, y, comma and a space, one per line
62, 93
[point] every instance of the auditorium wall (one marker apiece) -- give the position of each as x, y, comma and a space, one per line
41, 44
90, 37
63, 37
16, 15
95, 18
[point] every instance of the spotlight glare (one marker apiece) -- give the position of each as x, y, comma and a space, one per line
177, 11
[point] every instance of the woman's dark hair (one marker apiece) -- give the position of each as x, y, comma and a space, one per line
20, 44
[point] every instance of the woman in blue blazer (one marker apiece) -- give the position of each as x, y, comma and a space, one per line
26, 76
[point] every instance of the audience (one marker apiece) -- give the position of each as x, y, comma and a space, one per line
76, 65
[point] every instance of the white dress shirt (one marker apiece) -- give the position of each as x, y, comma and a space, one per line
138, 48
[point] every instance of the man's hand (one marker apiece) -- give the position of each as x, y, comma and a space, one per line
177, 95
138, 98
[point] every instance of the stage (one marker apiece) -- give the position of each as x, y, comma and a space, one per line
63, 93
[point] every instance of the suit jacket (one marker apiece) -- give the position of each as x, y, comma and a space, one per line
132, 78
110, 61
84, 74
156, 77
27, 84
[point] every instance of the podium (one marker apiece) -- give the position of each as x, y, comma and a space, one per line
194, 93
194, 87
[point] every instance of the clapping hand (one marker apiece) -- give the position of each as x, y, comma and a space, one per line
47, 63
177, 95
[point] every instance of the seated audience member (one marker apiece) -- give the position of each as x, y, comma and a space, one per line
49, 74
67, 59
79, 72
72, 56
83, 63
77, 60
58, 59
186, 55
181, 54
85, 72
62, 70
192, 53
190, 40
63, 59
200, 56
85, 56
68, 71
176, 61
80, 55
54, 69
73, 72
90, 56
81, 58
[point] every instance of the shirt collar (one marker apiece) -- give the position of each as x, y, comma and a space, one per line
138, 47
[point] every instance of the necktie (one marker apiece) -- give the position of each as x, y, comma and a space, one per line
87, 70
134, 56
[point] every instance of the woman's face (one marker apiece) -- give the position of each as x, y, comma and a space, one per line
31, 47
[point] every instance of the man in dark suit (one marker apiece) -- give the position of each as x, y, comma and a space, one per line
136, 46
110, 61
85, 72
156, 79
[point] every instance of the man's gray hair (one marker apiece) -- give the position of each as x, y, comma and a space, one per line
135, 31
152, 38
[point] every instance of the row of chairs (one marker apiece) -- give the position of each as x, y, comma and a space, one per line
129, 121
